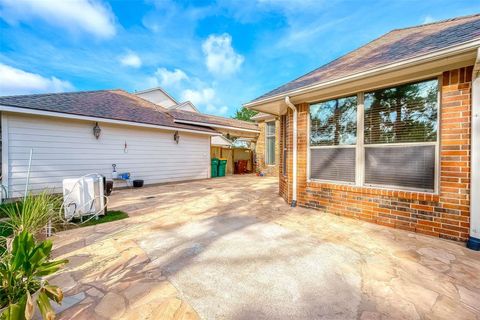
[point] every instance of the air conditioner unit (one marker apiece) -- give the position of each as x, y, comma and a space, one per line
83, 196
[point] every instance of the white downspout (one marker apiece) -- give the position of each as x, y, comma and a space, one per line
474, 239
294, 172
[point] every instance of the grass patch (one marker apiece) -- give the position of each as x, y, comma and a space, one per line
109, 217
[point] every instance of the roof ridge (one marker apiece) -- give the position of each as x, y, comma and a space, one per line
57, 93
438, 22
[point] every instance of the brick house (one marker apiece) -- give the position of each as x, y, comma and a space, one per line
389, 133
267, 145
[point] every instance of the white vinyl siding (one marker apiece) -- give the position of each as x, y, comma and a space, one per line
67, 148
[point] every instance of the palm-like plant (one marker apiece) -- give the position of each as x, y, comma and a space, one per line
21, 270
34, 212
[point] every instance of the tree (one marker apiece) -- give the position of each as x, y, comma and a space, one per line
244, 114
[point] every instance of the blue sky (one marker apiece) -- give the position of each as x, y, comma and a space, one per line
218, 54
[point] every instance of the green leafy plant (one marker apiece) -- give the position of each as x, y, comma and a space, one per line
22, 269
244, 114
33, 213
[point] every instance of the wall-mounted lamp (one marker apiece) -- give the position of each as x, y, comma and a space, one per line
96, 130
176, 137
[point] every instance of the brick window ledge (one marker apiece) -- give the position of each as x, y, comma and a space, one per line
413, 195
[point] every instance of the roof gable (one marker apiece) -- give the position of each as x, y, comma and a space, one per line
158, 96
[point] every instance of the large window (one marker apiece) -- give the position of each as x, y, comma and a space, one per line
270, 143
333, 134
397, 137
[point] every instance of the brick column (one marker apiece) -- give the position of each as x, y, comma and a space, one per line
455, 126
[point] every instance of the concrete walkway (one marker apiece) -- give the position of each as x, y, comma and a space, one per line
230, 248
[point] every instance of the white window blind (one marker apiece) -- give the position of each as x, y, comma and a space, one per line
333, 133
400, 138
394, 119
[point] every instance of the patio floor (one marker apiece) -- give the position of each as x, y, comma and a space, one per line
230, 248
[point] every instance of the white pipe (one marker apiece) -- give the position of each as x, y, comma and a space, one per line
474, 239
28, 175
294, 171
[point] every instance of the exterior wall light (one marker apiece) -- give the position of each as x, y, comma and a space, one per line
96, 130
176, 137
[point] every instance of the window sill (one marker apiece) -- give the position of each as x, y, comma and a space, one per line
413, 195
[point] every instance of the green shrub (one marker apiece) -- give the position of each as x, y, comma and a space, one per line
21, 270
33, 213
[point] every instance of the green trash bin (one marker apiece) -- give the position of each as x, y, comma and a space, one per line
214, 167
222, 166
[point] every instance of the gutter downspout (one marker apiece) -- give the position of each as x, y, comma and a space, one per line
294, 173
474, 239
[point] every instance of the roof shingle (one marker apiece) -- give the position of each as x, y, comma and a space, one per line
212, 120
397, 45
107, 104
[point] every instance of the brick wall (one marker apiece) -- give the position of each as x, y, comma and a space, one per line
269, 170
444, 215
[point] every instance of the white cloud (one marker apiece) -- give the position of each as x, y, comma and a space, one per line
428, 19
205, 97
201, 97
90, 16
169, 78
15, 81
131, 59
220, 57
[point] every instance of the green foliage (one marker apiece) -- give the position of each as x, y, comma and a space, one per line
244, 114
33, 213
21, 272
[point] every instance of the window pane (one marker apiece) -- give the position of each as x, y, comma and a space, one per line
270, 129
270, 156
406, 113
334, 122
336, 164
412, 166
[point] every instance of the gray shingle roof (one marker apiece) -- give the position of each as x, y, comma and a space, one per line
397, 45
212, 120
107, 104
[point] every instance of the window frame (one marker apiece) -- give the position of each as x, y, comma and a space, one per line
283, 124
360, 145
274, 142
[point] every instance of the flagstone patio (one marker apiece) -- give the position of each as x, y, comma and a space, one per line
230, 248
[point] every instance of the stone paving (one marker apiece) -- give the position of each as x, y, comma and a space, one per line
230, 248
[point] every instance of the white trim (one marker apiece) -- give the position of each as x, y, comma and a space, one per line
214, 125
438, 54
402, 144
266, 145
338, 146
398, 188
360, 151
475, 153
5, 162
263, 117
96, 119
309, 121
177, 106
346, 183
155, 89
